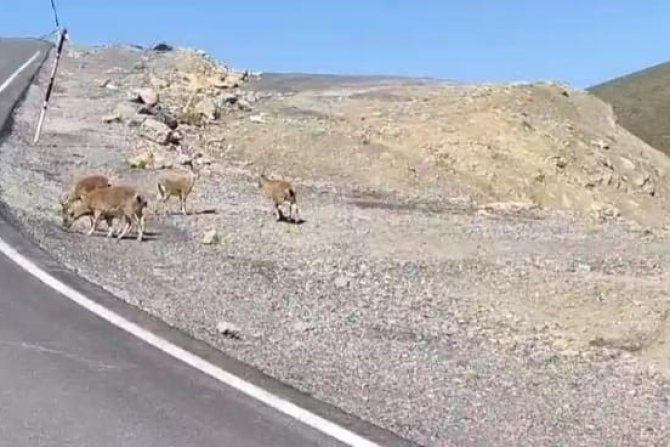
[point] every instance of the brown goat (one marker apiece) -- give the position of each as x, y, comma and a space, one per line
178, 184
120, 201
280, 192
83, 186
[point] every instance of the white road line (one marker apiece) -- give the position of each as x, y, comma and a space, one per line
305, 416
18, 71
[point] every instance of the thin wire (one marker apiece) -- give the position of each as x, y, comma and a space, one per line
55, 11
47, 35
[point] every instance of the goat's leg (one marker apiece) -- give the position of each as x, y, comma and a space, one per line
163, 200
278, 213
290, 210
139, 225
182, 198
126, 227
296, 213
94, 223
110, 224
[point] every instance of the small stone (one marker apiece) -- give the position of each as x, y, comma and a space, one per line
162, 163
111, 118
258, 119
303, 326
161, 115
583, 268
175, 137
203, 160
122, 113
228, 80
168, 119
107, 83
601, 144
627, 164
141, 161
228, 329
211, 237
207, 108
244, 105
147, 96
341, 282
229, 98
184, 159
155, 131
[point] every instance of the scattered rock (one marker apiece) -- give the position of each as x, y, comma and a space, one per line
207, 108
155, 131
229, 98
184, 159
107, 83
303, 326
146, 95
122, 113
258, 119
160, 114
600, 144
161, 163
228, 329
191, 117
244, 106
229, 80
148, 110
583, 268
603, 212
203, 160
627, 164
141, 161
174, 137
211, 237
341, 282
111, 118
168, 119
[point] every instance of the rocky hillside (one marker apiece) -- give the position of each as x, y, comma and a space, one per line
641, 101
460, 277
537, 144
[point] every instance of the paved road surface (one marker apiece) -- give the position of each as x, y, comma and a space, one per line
68, 378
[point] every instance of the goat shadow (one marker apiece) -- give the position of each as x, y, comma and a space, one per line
292, 220
147, 236
188, 212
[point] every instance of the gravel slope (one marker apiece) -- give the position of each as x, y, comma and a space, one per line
443, 324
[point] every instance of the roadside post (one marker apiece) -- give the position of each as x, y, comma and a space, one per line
61, 41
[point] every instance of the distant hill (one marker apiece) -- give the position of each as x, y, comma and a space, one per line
641, 102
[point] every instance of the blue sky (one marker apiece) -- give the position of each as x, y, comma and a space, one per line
580, 42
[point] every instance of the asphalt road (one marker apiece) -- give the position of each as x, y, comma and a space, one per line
69, 378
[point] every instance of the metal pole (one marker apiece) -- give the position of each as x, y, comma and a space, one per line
61, 41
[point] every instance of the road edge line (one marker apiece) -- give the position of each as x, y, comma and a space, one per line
18, 71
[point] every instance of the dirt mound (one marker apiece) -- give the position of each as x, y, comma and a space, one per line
543, 144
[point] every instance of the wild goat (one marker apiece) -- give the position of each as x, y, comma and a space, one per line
120, 201
83, 186
280, 192
178, 184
